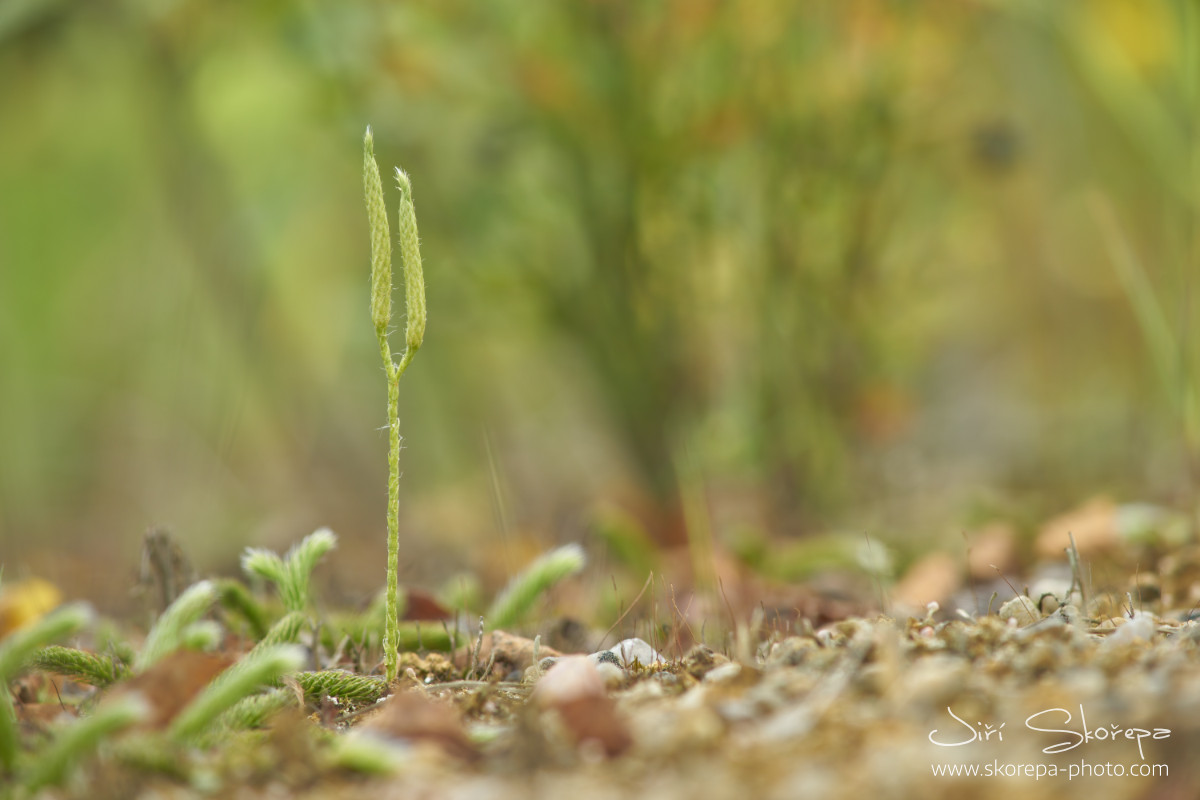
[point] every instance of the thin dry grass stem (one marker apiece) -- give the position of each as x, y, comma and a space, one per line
1076, 573
510, 686
1137, 582
682, 617
478, 647
620, 619
733, 625
487, 671
655, 627
884, 605
967, 556
1034, 613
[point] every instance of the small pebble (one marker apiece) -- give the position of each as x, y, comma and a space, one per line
628, 652
613, 675
1021, 609
1140, 628
606, 657
724, 673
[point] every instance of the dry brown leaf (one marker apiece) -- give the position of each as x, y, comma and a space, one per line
414, 717
1092, 525
993, 547
933, 578
421, 606
171, 684
40, 716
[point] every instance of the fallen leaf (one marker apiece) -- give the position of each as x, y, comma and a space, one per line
513, 653
171, 683
931, 579
421, 606
26, 601
414, 717
993, 547
40, 716
1092, 525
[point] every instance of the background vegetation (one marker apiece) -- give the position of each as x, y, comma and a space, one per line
821, 266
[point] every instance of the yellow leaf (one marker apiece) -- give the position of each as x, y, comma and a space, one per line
26, 601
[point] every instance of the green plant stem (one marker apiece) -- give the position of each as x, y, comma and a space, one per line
414, 333
391, 632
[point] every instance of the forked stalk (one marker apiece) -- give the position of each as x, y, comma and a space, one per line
381, 316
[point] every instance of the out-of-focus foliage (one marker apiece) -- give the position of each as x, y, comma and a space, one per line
830, 261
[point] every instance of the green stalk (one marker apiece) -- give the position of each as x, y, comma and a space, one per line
381, 316
391, 633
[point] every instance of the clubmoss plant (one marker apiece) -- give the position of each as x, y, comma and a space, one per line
80, 737
414, 333
284, 632
291, 574
252, 709
262, 666
79, 665
343, 685
15, 652
234, 597
518, 598
255, 710
173, 626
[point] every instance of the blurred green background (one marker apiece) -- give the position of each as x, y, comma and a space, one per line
824, 266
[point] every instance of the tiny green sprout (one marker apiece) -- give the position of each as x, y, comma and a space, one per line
414, 334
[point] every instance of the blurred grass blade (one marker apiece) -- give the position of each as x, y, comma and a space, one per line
1152, 321
81, 737
519, 597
